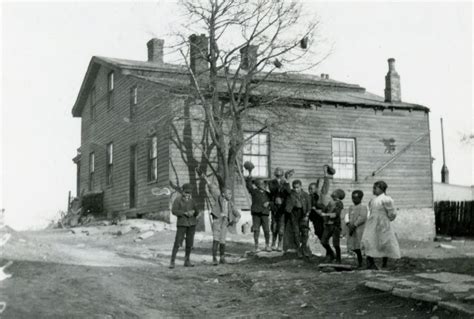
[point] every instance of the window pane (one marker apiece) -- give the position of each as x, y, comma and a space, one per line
154, 147
336, 146
111, 81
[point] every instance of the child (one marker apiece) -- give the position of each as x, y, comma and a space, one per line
332, 224
186, 210
279, 191
223, 214
260, 210
379, 239
356, 218
296, 226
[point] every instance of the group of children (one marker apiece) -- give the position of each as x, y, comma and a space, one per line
284, 213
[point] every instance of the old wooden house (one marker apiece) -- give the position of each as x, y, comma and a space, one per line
136, 118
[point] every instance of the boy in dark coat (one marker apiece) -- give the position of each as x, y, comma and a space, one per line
186, 210
279, 190
332, 224
298, 208
260, 210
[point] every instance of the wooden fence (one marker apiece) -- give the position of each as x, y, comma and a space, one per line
454, 218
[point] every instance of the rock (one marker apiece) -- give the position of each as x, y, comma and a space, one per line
443, 238
455, 287
446, 277
304, 305
81, 245
379, 285
146, 235
445, 246
425, 297
457, 306
403, 293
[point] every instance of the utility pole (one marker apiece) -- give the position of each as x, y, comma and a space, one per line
444, 169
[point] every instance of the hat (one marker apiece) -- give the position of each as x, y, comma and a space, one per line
330, 170
187, 188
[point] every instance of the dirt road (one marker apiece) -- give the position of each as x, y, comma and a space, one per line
58, 274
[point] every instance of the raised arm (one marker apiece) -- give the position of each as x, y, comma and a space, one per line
212, 190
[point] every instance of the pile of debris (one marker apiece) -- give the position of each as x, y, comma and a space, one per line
75, 216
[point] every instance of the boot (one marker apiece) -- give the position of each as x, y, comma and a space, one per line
274, 241
267, 243
187, 258
215, 246
359, 258
280, 243
329, 253
222, 254
173, 256
299, 251
371, 263
338, 254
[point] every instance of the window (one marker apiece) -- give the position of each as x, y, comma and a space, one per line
256, 150
153, 159
91, 170
110, 90
344, 158
109, 163
111, 81
93, 102
133, 101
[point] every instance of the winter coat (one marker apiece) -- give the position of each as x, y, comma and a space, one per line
180, 206
259, 198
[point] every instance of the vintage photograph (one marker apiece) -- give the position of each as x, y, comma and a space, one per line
236, 159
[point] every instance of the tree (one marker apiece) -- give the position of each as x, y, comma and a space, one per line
246, 42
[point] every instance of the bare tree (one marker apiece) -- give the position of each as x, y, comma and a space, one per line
248, 41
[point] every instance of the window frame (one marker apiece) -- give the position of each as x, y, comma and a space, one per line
109, 163
91, 170
353, 141
110, 89
152, 161
267, 155
133, 101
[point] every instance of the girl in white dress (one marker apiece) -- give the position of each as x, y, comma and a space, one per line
379, 239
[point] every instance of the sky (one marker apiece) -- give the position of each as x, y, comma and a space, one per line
46, 48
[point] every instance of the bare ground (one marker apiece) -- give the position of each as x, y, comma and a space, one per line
57, 274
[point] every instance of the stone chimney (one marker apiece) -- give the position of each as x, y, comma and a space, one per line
155, 50
199, 50
393, 92
248, 57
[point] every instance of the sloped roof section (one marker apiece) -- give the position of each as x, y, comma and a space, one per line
310, 87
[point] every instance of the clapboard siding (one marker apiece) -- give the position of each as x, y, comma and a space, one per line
309, 146
305, 145
114, 125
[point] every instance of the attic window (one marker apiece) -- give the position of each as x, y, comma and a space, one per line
111, 81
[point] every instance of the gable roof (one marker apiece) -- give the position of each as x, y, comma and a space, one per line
317, 89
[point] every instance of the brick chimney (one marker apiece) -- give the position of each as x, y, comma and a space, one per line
155, 50
248, 57
393, 92
199, 50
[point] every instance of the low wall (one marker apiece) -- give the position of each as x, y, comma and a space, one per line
445, 192
415, 224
